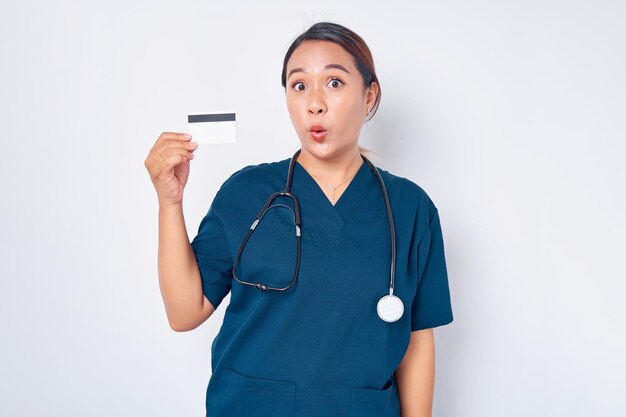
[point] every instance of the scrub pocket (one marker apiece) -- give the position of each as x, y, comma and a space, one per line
371, 402
232, 394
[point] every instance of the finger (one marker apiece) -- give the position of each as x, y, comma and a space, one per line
173, 158
168, 165
176, 144
174, 136
169, 137
170, 147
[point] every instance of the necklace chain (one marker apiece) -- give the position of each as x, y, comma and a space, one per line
336, 186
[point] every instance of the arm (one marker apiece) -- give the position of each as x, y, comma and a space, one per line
415, 376
179, 277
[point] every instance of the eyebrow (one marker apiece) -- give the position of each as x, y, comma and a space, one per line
329, 66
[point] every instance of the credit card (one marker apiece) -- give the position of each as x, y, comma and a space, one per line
213, 127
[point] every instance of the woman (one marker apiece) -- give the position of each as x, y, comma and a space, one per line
314, 345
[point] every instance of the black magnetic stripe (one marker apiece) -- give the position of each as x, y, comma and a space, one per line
199, 118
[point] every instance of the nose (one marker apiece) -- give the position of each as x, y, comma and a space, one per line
316, 104
316, 109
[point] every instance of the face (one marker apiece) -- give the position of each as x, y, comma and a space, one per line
325, 88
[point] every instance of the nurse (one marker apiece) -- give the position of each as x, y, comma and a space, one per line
302, 334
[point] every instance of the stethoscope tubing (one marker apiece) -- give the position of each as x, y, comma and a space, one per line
287, 193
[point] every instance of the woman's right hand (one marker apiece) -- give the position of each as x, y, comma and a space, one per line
168, 165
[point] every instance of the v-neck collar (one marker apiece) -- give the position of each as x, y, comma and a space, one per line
313, 200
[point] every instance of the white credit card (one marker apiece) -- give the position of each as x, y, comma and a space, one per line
212, 127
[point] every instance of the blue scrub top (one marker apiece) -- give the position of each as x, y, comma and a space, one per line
318, 348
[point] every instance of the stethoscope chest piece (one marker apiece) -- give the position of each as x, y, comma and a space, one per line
390, 308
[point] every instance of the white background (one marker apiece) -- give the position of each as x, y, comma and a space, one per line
510, 114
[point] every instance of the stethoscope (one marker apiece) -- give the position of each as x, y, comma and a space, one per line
390, 307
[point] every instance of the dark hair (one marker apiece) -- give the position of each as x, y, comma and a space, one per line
351, 42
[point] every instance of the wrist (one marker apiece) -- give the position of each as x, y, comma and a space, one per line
170, 207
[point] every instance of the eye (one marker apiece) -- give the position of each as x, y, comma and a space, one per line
336, 80
296, 83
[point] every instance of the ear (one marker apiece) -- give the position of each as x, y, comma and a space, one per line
371, 93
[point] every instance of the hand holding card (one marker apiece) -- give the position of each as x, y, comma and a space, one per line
213, 128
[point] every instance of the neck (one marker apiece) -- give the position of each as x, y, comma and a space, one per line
331, 171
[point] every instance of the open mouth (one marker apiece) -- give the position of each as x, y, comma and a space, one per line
318, 134
317, 131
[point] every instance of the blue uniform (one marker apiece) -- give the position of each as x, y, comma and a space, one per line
318, 349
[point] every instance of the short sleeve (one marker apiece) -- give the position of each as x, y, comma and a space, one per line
213, 257
431, 306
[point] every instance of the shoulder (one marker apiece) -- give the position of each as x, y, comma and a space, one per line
407, 192
252, 178
411, 205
